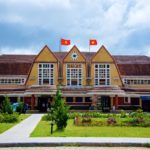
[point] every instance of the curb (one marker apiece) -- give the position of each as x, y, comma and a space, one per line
73, 144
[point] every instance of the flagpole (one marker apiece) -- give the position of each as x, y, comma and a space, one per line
89, 46
60, 45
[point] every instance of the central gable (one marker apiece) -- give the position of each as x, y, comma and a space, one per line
102, 56
74, 55
46, 55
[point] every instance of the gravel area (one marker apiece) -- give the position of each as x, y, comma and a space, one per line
75, 148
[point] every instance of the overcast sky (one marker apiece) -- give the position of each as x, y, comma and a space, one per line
122, 26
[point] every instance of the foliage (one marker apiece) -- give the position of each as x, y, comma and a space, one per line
138, 114
6, 106
123, 114
86, 120
1, 118
72, 115
8, 118
138, 118
59, 112
20, 107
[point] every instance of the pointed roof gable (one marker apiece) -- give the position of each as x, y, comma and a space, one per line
46, 55
102, 55
69, 56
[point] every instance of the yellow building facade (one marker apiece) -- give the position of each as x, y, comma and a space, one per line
88, 80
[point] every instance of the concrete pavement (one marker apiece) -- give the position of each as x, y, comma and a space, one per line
19, 136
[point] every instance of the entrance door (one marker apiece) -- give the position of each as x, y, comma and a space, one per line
146, 105
43, 103
105, 103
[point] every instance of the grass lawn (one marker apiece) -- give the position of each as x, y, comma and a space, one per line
6, 126
43, 130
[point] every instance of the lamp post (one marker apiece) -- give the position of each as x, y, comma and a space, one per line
52, 121
52, 124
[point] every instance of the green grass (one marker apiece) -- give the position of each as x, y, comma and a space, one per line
6, 126
43, 130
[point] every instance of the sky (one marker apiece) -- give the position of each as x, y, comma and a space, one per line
122, 26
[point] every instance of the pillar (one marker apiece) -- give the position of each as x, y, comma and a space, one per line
140, 102
32, 102
83, 99
74, 99
116, 101
111, 102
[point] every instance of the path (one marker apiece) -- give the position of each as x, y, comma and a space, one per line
22, 130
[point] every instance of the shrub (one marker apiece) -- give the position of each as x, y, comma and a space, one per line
1, 118
10, 118
20, 107
123, 114
111, 121
86, 120
6, 106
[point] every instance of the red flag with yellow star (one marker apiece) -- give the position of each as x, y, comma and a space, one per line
65, 42
93, 42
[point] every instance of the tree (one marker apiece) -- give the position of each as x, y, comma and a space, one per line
6, 106
59, 111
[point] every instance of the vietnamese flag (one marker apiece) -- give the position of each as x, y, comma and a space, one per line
93, 42
65, 42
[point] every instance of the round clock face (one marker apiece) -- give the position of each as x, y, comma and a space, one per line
74, 56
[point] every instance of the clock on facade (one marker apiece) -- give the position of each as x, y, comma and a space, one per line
74, 56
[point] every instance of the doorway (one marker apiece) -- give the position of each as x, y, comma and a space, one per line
105, 103
44, 103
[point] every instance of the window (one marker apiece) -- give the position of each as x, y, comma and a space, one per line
18, 81
74, 74
139, 81
46, 74
69, 99
127, 100
102, 74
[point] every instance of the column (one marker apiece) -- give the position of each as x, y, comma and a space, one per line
32, 102
111, 102
83, 99
116, 101
74, 99
140, 102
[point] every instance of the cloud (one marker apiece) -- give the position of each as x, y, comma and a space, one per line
9, 50
114, 23
138, 16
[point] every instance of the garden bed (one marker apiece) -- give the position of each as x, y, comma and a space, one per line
95, 124
43, 130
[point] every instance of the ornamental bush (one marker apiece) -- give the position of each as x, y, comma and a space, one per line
20, 107
6, 106
10, 118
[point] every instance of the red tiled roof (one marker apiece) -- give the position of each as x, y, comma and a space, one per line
17, 58
132, 59
128, 65
134, 69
